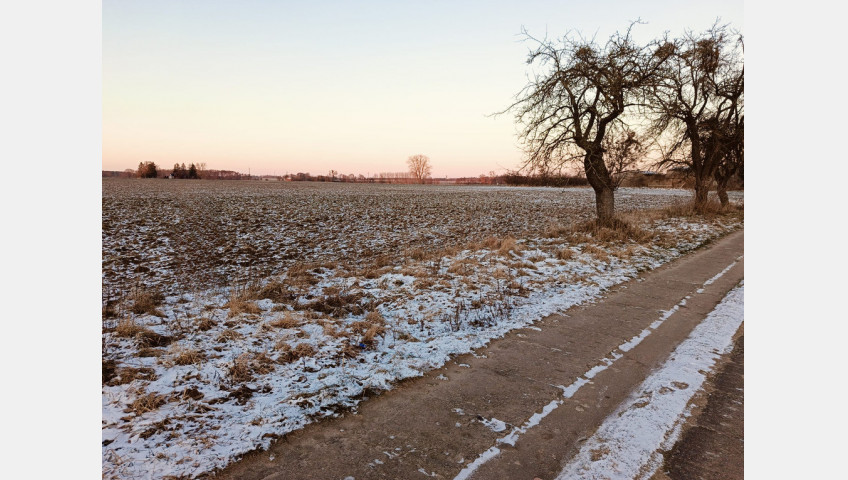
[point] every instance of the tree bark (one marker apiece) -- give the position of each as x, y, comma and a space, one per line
702, 190
605, 203
600, 180
722, 196
721, 188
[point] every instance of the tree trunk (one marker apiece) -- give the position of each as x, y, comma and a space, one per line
600, 180
702, 190
605, 203
721, 188
722, 196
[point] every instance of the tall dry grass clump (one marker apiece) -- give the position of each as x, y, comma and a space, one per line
146, 301
289, 354
619, 231
711, 209
564, 254
240, 302
188, 356
286, 321
128, 328
239, 371
146, 403
597, 252
300, 275
277, 291
369, 329
500, 245
229, 335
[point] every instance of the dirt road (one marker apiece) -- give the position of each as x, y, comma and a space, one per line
521, 407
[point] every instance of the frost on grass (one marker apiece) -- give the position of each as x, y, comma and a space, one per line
249, 326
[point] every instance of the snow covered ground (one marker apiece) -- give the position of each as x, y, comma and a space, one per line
206, 376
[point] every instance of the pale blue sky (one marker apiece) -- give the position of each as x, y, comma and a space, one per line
279, 87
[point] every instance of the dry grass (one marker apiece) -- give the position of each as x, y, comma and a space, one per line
465, 266
113, 376
508, 244
423, 283
627, 252
500, 245
419, 254
239, 371
286, 321
619, 231
150, 352
187, 356
684, 209
127, 328
372, 327
710, 209
382, 261
205, 324
146, 301
330, 329
145, 337
300, 275
146, 403
597, 252
565, 254
557, 231
229, 335
303, 350
240, 303
289, 354
277, 291
335, 304
536, 258
262, 364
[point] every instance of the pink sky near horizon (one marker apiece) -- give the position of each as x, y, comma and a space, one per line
283, 87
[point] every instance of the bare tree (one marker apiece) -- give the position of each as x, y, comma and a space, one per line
419, 167
699, 104
583, 94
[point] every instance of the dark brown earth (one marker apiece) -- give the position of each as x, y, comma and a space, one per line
713, 445
432, 426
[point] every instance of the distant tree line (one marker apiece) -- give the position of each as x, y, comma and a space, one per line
180, 171
514, 178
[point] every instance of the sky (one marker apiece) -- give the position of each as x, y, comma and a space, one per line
357, 87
